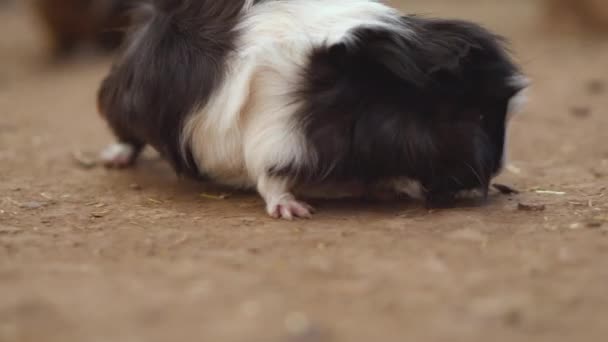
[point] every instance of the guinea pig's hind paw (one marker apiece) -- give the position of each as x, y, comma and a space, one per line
289, 209
118, 155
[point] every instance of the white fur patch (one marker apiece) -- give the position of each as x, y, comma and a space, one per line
117, 155
409, 187
515, 105
517, 102
249, 125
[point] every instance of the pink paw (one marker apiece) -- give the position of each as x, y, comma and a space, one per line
118, 156
289, 209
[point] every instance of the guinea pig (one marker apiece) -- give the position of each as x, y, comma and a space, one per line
71, 23
283, 95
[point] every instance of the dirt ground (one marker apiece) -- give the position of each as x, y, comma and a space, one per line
88, 254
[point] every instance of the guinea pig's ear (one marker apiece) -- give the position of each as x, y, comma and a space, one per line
518, 94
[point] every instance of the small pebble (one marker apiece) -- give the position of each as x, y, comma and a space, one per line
550, 192
99, 214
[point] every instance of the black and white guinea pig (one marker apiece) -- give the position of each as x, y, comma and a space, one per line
71, 23
283, 95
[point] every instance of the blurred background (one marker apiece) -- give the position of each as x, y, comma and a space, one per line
92, 255
38, 33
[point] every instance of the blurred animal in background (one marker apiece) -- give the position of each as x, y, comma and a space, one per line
5, 3
585, 14
71, 24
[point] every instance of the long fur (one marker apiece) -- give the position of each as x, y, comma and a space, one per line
276, 94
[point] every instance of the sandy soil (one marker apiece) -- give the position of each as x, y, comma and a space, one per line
92, 255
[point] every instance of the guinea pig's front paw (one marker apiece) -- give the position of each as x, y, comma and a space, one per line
289, 208
118, 155
280, 202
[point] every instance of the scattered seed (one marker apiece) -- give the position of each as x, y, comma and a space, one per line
505, 190
531, 207
47, 196
100, 214
550, 192
215, 197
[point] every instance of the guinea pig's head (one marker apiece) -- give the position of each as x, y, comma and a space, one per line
465, 136
458, 141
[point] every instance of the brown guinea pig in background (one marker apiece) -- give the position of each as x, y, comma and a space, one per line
73, 23
585, 14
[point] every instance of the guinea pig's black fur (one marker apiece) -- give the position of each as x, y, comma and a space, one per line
432, 109
254, 94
